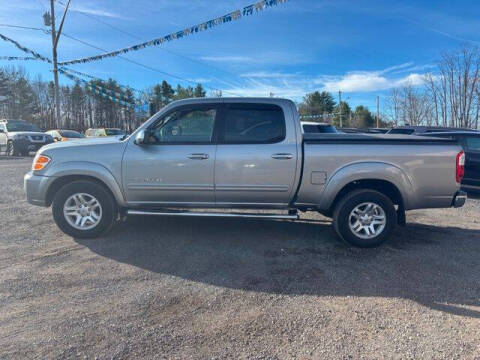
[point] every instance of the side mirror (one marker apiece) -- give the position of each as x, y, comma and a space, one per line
1, 131
140, 138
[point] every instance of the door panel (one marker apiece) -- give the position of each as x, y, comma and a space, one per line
248, 174
256, 158
169, 174
176, 165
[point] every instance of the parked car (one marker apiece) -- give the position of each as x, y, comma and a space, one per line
318, 128
65, 135
248, 154
470, 141
104, 132
420, 130
19, 137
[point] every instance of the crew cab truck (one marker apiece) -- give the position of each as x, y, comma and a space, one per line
197, 156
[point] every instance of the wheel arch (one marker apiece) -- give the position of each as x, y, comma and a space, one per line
69, 172
384, 187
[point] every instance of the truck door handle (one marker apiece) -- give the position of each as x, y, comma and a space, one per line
282, 156
198, 156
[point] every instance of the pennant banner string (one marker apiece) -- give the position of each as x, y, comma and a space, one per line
98, 79
17, 58
24, 49
100, 88
104, 92
235, 15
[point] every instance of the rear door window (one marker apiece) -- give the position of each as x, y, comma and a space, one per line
253, 124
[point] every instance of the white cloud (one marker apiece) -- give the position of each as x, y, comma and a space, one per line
295, 85
96, 11
367, 81
200, 80
397, 67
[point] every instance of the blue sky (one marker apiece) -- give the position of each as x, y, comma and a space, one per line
363, 48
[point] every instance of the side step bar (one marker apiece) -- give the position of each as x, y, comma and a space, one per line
212, 214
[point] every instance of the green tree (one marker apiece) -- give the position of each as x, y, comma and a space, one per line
166, 92
4, 92
183, 93
363, 117
199, 91
317, 103
23, 101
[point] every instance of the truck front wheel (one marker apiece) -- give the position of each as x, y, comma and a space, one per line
84, 209
364, 218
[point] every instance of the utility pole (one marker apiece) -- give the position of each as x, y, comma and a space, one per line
378, 111
340, 108
55, 38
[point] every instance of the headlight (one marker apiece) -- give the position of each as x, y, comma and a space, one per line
40, 162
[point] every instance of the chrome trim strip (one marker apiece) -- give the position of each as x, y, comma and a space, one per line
273, 188
187, 187
210, 214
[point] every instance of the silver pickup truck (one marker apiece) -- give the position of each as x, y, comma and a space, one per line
248, 154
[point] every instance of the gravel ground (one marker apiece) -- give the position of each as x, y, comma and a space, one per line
233, 288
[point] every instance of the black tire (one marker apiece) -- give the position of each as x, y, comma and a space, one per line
106, 200
341, 217
12, 149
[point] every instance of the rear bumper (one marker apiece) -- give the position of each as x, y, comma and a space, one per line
459, 199
472, 191
36, 187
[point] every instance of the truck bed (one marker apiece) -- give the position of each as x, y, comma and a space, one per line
409, 162
312, 138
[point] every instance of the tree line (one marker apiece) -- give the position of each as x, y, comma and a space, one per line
33, 100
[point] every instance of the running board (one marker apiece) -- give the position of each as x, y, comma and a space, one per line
212, 214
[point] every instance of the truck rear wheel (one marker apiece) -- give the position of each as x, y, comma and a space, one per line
364, 218
84, 209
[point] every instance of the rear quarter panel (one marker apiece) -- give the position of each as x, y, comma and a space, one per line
424, 174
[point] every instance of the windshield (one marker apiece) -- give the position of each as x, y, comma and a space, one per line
71, 134
111, 132
22, 126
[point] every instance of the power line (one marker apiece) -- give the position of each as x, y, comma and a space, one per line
25, 27
148, 67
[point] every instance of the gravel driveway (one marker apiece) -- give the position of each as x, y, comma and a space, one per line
182, 288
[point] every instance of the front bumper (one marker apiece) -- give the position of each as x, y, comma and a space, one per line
36, 187
459, 199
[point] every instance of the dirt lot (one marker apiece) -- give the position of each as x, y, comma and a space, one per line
223, 288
